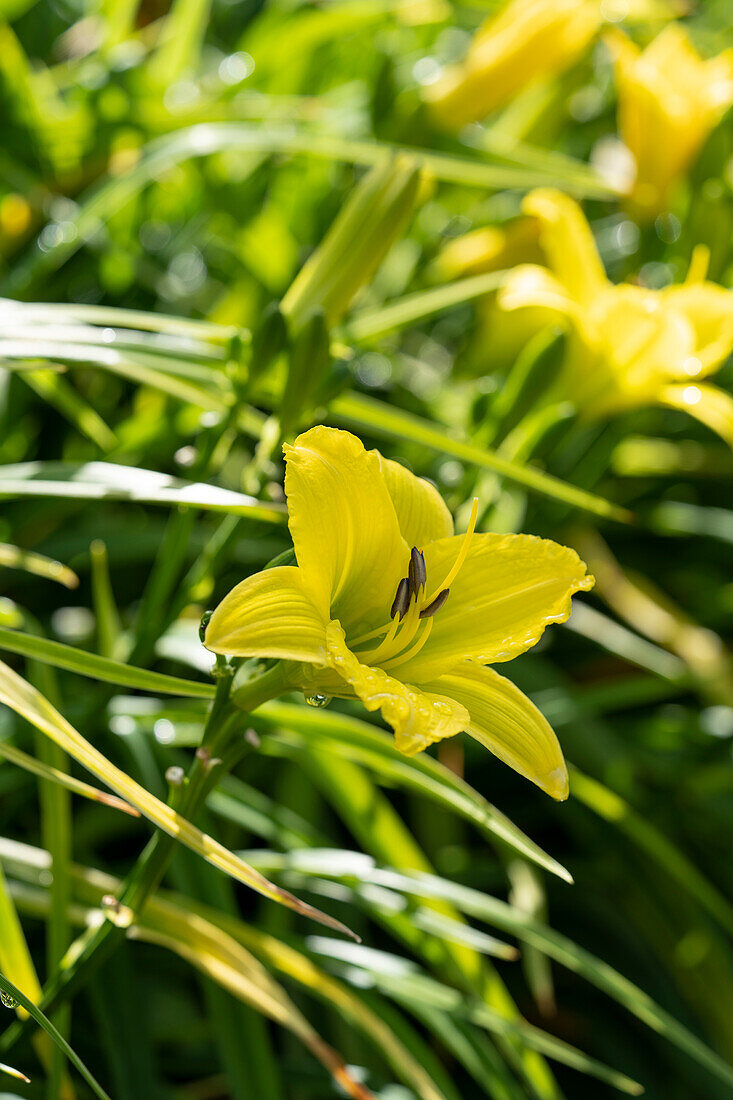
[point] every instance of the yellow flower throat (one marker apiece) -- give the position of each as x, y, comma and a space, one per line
412, 616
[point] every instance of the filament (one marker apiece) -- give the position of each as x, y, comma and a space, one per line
462, 555
414, 648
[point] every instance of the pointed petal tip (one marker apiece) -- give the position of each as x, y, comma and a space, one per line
556, 783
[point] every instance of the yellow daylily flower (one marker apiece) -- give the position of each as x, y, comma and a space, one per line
669, 101
490, 248
630, 346
527, 40
387, 604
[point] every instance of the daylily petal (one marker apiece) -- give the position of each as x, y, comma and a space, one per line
532, 285
417, 717
669, 101
269, 615
713, 406
568, 243
507, 723
422, 513
709, 309
344, 526
509, 589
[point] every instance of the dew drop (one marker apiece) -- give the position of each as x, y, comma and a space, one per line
8, 1001
317, 700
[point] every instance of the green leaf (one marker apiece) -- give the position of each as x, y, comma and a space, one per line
12, 557
54, 775
100, 668
109, 481
208, 138
15, 994
514, 921
21, 697
412, 988
363, 743
372, 324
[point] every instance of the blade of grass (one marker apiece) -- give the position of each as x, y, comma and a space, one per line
372, 324
43, 1022
21, 697
109, 481
205, 139
95, 667
106, 615
412, 988
360, 741
14, 1073
54, 388
12, 557
54, 775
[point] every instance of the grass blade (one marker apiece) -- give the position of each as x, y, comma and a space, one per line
367, 745
109, 481
54, 775
95, 667
21, 697
20, 998
12, 557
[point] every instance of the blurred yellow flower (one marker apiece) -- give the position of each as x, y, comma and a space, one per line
630, 346
669, 101
489, 248
15, 215
388, 605
528, 40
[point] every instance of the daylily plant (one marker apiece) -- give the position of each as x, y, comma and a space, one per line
630, 345
669, 101
387, 604
526, 42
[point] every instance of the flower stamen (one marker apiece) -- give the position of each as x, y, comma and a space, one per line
458, 563
401, 602
413, 650
435, 605
417, 573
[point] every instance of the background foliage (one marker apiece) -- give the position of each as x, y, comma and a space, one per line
183, 163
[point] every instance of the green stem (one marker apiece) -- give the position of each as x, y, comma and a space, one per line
96, 944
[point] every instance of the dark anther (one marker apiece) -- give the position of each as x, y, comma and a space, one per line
417, 574
435, 605
401, 600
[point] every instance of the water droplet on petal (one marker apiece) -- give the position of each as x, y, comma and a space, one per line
8, 1001
318, 700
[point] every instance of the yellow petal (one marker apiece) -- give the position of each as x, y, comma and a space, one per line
568, 243
712, 406
510, 588
344, 527
269, 615
422, 513
532, 285
528, 40
508, 724
709, 309
417, 717
669, 101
